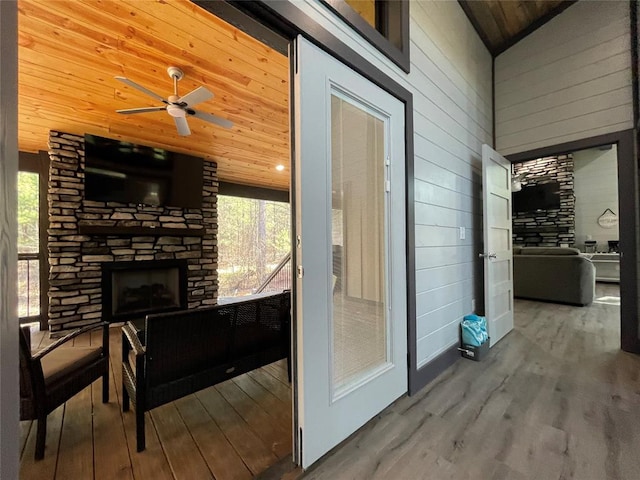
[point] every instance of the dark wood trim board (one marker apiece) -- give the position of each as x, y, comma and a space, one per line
248, 191
628, 209
398, 55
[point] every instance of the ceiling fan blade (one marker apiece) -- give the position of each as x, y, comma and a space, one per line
207, 117
196, 96
182, 126
128, 111
133, 84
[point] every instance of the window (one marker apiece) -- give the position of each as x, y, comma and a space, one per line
253, 242
28, 246
33, 266
384, 23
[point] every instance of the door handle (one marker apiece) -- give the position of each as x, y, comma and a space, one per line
488, 255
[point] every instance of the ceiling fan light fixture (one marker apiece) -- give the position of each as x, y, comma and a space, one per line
175, 111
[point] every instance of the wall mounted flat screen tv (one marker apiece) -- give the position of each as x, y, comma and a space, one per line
544, 196
128, 173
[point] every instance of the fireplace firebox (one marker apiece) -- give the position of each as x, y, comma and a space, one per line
131, 290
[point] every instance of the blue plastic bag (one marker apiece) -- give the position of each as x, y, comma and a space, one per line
474, 330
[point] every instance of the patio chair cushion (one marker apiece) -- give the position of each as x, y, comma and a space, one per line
62, 361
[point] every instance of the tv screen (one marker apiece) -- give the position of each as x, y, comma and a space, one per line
544, 196
128, 173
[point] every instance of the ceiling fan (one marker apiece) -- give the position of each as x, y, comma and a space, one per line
177, 107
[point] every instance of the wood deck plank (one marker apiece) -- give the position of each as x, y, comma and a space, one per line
272, 432
279, 389
152, 463
222, 459
75, 453
269, 402
108, 431
178, 444
256, 455
44, 469
279, 371
25, 427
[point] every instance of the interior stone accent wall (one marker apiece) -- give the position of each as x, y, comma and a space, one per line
553, 227
75, 297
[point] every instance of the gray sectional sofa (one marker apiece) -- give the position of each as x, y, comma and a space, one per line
553, 274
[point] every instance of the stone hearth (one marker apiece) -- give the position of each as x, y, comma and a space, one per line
76, 257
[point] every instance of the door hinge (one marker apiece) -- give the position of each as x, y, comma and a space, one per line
300, 271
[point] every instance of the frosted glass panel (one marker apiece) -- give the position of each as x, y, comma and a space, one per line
359, 321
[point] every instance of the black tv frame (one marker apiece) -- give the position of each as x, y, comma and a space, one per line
184, 180
541, 196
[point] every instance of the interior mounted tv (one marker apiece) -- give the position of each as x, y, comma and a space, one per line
128, 173
544, 196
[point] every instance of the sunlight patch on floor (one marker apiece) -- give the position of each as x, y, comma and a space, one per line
608, 300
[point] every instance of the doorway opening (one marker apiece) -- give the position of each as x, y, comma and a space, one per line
567, 229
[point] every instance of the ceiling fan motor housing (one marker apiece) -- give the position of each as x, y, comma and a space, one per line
175, 72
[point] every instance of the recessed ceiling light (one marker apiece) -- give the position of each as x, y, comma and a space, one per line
280, 167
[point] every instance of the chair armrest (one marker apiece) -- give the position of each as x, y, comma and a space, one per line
70, 336
133, 340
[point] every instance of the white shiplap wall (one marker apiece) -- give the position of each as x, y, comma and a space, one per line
595, 185
451, 84
568, 80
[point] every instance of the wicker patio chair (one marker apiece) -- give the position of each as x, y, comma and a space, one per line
53, 375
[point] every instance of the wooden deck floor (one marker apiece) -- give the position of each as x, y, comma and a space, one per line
234, 430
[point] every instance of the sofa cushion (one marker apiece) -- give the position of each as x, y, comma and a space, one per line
517, 250
62, 361
549, 251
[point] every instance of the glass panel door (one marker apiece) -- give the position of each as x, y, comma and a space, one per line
350, 290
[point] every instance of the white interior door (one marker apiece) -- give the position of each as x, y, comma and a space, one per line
350, 253
498, 252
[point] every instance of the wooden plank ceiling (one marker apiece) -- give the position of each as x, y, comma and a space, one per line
70, 51
501, 22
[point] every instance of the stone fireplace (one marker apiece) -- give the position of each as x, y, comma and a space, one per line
87, 236
133, 289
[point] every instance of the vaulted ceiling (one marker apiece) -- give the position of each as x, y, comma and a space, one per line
70, 52
500, 23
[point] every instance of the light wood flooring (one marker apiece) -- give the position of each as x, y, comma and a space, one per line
234, 430
555, 399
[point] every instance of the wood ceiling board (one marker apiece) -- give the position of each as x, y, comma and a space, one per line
485, 22
162, 55
70, 52
166, 35
500, 23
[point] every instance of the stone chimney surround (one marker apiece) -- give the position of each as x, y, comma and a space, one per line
83, 234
